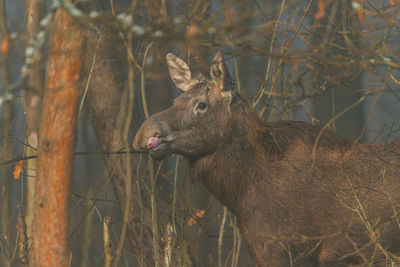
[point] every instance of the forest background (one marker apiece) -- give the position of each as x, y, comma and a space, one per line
78, 78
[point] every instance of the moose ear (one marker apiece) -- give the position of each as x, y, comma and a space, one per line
180, 72
220, 75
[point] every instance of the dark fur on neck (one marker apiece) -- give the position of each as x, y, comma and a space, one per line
229, 172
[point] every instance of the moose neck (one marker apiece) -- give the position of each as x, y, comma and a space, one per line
234, 166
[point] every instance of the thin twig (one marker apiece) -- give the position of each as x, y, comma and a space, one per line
16, 160
22, 241
108, 252
168, 245
143, 80
91, 70
128, 180
260, 94
314, 149
221, 236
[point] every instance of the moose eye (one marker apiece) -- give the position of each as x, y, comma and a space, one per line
202, 106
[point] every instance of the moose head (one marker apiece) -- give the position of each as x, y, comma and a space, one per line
185, 127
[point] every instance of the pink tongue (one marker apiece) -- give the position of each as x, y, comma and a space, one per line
153, 142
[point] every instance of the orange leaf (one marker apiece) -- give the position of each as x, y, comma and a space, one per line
361, 16
198, 214
321, 10
228, 15
5, 44
359, 6
392, 2
17, 170
192, 30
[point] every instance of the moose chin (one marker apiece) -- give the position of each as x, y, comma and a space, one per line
302, 196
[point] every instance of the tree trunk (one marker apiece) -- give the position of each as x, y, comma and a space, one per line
32, 106
5, 183
56, 144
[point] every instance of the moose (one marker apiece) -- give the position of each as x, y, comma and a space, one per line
302, 196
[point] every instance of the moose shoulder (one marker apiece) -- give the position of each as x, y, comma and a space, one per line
336, 208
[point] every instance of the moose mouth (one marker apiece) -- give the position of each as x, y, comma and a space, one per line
157, 147
154, 143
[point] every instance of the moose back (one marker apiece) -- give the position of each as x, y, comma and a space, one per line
338, 206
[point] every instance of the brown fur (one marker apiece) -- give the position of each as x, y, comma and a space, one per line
342, 211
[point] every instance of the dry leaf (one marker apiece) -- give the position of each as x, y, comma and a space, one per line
228, 16
360, 13
17, 170
321, 10
392, 2
361, 16
192, 30
5, 44
198, 214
